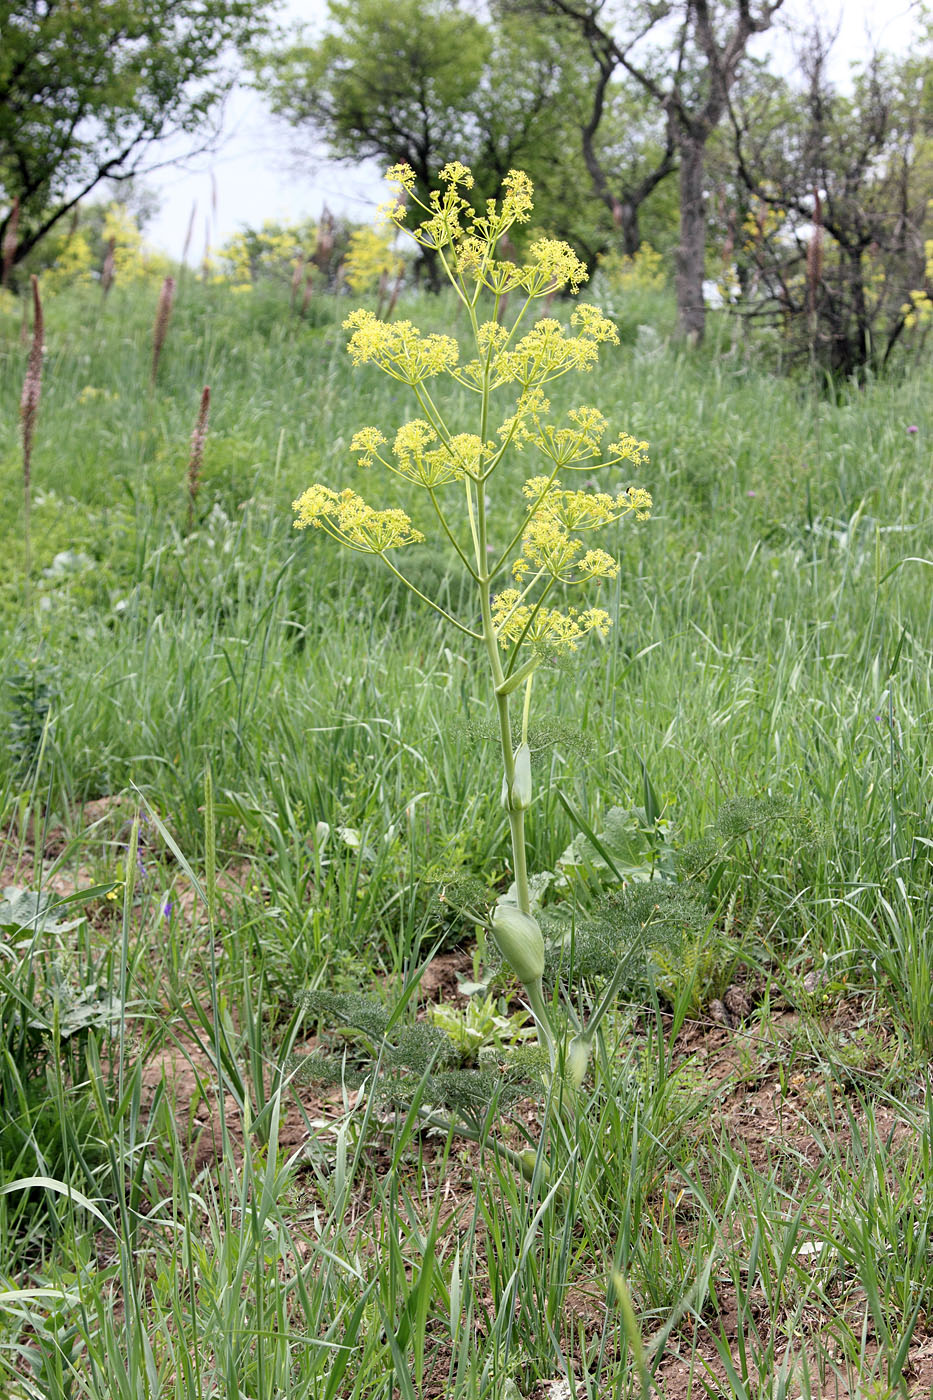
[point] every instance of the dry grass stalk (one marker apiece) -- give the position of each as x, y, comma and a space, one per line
10, 242
196, 457
382, 294
186, 246
29, 413
296, 279
108, 271
160, 329
206, 259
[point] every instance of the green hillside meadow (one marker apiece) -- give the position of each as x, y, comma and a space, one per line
241, 765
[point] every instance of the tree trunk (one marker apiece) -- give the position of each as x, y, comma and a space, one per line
691, 254
860, 352
625, 212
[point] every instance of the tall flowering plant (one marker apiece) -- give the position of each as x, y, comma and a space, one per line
520, 554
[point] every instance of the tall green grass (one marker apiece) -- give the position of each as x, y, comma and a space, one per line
772, 636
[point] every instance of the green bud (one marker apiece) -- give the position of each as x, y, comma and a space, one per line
521, 786
517, 798
578, 1058
519, 940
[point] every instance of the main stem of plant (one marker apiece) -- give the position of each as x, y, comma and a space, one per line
534, 990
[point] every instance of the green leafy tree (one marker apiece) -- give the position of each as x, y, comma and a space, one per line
843, 183
626, 142
389, 82
86, 89
425, 81
688, 69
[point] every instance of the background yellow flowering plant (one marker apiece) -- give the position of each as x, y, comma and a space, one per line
515, 554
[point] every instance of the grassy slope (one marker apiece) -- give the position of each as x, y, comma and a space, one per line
762, 644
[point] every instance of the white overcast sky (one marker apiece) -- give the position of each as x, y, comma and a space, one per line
254, 174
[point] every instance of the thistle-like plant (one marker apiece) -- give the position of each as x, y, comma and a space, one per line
196, 455
520, 554
160, 328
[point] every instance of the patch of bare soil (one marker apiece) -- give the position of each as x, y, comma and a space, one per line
187, 1072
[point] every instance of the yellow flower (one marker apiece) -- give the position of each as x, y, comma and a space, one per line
548, 629
544, 353
455, 173
593, 324
370, 258
553, 265
401, 174
517, 202
367, 442
532, 404
584, 510
418, 461
628, 449
348, 518
399, 349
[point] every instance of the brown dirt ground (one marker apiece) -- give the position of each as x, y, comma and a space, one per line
761, 1121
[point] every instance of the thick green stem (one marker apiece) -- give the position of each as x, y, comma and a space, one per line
516, 816
525, 1161
535, 994
519, 859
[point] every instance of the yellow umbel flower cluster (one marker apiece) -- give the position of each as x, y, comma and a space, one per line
399, 348
472, 234
546, 628
584, 510
549, 549
918, 311
505, 353
418, 461
545, 353
348, 518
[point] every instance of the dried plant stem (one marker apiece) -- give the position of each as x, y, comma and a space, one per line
324, 246
186, 247
160, 329
393, 299
196, 458
108, 270
296, 279
28, 413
